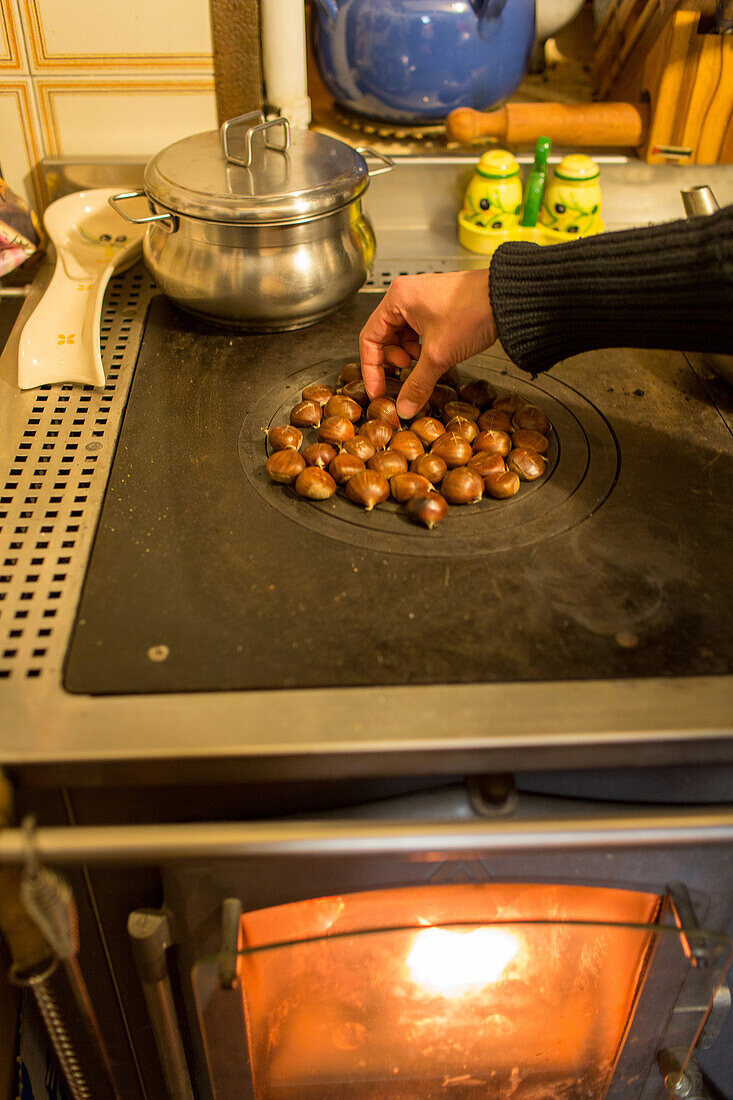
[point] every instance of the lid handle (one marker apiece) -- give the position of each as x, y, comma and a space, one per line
254, 123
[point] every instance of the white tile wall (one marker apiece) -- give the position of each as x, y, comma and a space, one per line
123, 117
109, 35
19, 148
100, 77
12, 50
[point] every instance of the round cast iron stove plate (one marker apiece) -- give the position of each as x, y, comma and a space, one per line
581, 471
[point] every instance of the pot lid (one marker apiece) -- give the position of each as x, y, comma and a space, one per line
256, 172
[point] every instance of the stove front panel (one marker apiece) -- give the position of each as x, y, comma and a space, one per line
205, 576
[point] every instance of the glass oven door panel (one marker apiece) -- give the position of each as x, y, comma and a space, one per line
439, 1007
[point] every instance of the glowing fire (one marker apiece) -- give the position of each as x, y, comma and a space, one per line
454, 963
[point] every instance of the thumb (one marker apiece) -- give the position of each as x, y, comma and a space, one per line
418, 386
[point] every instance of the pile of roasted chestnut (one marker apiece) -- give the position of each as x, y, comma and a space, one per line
467, 441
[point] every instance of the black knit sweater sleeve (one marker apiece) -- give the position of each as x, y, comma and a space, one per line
665, 286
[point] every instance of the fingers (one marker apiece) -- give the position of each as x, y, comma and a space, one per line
419, 385
397, 356
379, 333
371, 371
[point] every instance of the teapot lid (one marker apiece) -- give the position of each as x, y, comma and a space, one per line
256, 172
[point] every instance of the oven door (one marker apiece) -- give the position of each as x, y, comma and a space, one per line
489, 990
529, 956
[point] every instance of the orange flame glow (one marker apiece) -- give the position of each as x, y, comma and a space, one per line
454, 963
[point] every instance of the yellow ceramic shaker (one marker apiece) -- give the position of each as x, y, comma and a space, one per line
493, 197
572, 199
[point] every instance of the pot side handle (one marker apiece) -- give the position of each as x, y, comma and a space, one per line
386, 162
171, 221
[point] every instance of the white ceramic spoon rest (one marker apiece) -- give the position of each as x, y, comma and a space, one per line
60, 342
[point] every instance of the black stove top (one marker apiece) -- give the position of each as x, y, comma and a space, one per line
205, 576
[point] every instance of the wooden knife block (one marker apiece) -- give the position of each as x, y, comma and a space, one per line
685, 75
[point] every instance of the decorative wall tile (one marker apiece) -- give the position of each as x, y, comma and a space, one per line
108, 35
12, 51
20, 147
122, 117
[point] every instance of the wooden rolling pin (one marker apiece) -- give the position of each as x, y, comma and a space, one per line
598, 124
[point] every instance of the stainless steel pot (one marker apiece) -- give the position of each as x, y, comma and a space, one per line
261, 234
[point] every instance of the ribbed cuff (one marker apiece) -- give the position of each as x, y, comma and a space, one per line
665, 286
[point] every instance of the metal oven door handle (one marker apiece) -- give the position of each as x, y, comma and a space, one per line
118, 844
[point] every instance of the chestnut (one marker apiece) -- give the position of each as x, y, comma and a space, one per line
284, 436
494, 418
484, 463
452, 448
532, 440
407, 444
335, 430
427, 429
351, 372
509, 403
528, 464
467, 428
361, 447
384, 408
367, 488
502, 486
462, 409
315, 483
378, 432
462, 486
450, 378
531, 418
357, 392
388, 463
430, 466
404, 486
284, 466
496, 443
317, 392
440, 397
319, 454
306, 414
345, 466
477, 391
338, 405
428, 510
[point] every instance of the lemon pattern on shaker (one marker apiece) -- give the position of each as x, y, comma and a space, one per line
493, 197
572, 199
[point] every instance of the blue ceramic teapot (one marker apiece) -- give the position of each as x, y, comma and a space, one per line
416, 60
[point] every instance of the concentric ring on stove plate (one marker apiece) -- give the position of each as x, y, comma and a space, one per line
582, 469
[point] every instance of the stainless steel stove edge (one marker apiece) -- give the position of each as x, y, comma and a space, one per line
54, 737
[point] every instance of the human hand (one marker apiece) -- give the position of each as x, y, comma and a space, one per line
440, 320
